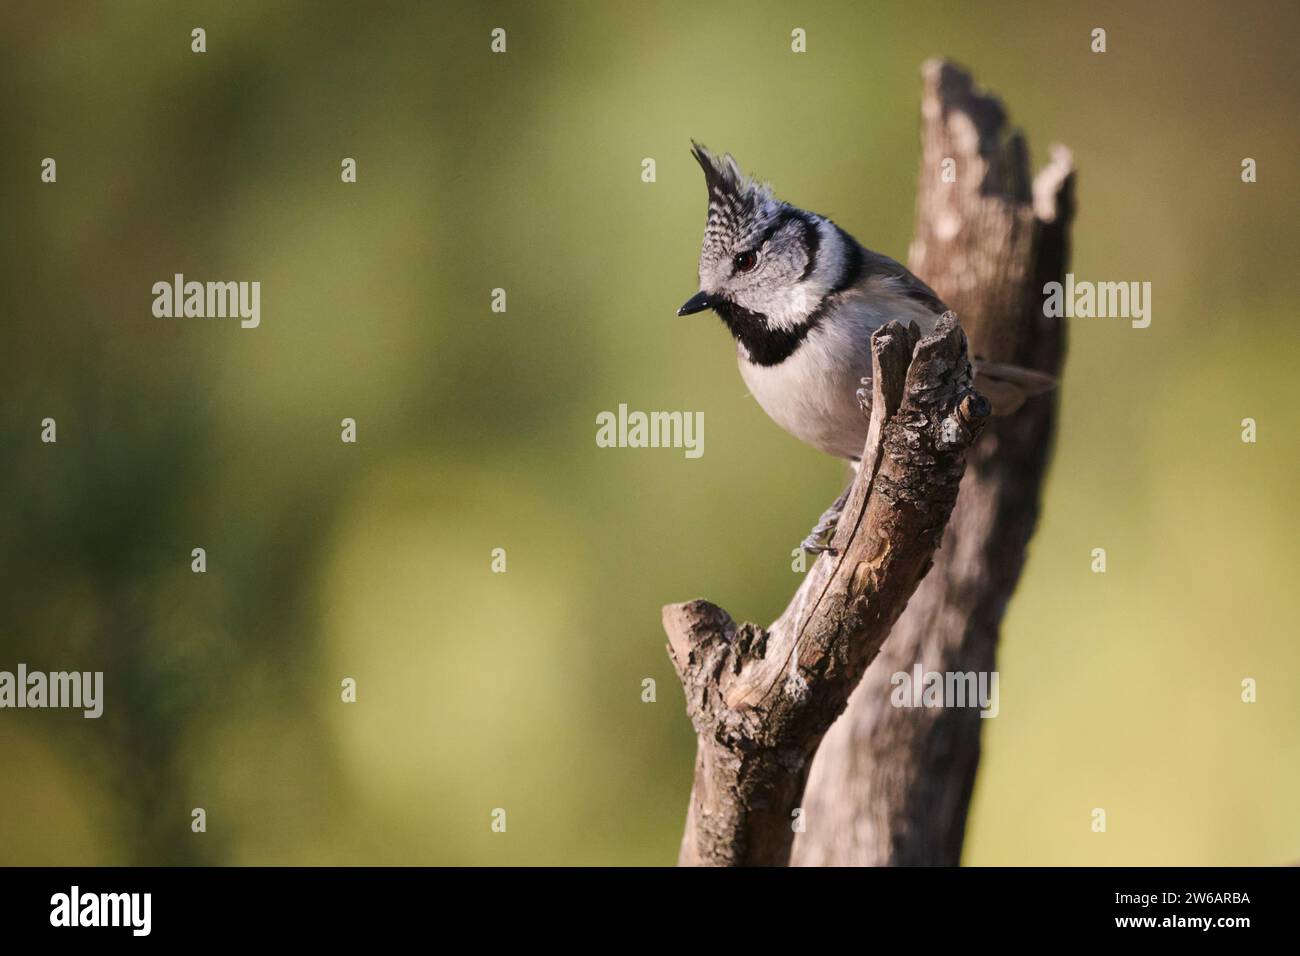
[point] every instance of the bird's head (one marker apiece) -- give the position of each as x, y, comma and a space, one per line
759, 263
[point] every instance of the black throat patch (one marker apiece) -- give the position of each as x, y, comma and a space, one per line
765, 346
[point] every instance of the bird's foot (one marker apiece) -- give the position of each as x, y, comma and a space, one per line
864, 396
819, 538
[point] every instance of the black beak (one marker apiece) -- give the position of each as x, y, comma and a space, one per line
696, 303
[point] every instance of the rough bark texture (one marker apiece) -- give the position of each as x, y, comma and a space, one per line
761, 700
891, 786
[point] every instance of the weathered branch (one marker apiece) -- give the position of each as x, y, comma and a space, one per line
760, 700
892, 785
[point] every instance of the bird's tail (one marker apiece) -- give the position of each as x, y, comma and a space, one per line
1007, 387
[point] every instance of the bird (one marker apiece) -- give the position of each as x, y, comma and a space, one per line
802, 297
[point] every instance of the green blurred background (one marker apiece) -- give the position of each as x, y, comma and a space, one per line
476, 430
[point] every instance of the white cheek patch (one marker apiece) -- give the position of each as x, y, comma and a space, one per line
794, 304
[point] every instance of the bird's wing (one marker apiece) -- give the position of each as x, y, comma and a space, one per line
900, 279
1007, 387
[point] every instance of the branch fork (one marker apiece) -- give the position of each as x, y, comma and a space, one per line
891, 786
761, 699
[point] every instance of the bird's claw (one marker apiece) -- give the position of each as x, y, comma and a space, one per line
864, 396
819, 538
813, 544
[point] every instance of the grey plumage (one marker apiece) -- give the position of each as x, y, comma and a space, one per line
802, 298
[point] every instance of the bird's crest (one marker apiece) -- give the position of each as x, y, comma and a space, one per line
737, 203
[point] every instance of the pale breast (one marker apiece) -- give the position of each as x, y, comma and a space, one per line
813, 393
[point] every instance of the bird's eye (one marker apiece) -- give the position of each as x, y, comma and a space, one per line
745, 261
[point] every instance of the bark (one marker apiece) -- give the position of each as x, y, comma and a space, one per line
761, 699
890, 785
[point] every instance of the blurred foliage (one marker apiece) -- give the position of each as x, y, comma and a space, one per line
522, 690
